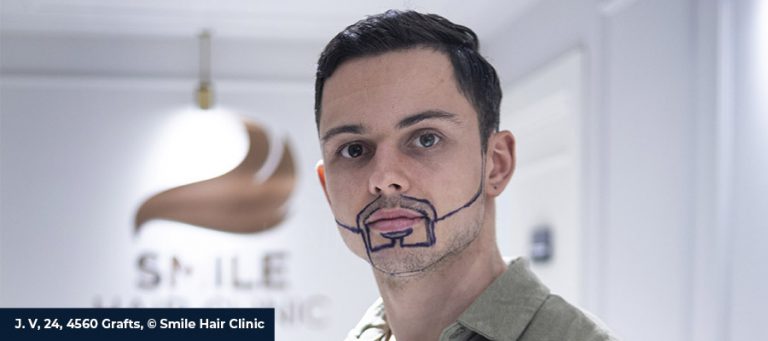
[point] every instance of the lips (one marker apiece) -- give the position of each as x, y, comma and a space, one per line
389, 220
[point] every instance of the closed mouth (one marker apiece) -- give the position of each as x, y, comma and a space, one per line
390, 220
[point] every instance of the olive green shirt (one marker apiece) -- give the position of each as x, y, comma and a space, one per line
516, 306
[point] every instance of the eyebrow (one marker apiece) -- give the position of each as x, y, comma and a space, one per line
345, 129
404, 123
426, 115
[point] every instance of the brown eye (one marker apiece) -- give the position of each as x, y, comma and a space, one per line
427, 140
352, 150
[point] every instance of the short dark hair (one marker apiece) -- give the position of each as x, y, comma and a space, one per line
396, 30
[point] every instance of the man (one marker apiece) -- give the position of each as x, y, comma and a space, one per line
408, 112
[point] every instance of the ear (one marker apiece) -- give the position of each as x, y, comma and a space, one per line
500, 162
320, 168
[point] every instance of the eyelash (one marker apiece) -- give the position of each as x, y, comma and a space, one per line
341, 149
420, 134
438, 140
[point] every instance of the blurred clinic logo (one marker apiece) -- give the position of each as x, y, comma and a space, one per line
237, 201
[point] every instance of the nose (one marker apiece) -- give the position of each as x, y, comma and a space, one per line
387, 177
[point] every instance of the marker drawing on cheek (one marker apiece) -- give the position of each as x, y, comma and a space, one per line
350, 228
413, 226
469, 203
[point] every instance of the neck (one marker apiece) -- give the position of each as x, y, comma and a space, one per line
420, 307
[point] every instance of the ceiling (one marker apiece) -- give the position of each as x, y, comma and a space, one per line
301, 19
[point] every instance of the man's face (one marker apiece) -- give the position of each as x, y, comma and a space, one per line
402, 160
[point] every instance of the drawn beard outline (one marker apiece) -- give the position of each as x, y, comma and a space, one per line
406, 238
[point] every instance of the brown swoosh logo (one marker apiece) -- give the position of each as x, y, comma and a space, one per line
234, 202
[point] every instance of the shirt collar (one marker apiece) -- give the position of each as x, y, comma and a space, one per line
373, 325
507, 306
501, 312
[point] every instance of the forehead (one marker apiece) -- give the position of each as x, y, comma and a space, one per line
382, 89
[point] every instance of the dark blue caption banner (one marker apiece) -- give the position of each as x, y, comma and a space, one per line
137, 323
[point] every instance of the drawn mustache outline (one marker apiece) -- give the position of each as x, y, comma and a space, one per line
375, 241
234, 202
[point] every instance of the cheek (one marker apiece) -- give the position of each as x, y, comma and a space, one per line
455, 184
454, 179
345, 191
354, 242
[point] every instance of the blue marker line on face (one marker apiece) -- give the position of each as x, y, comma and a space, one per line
469, 203
423, 206
350, 228
398, 234
375, 241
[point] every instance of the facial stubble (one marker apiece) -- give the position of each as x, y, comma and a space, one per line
411, 263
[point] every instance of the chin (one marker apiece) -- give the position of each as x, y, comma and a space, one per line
410, 262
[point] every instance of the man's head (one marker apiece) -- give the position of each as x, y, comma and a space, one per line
397, 31
408, 165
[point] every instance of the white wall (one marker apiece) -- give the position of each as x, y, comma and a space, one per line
748, 273
649, 165
672, 158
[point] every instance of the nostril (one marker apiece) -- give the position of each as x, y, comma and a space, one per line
395, 187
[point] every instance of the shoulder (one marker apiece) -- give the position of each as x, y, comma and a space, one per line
518, 306
372, 326
557, 319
